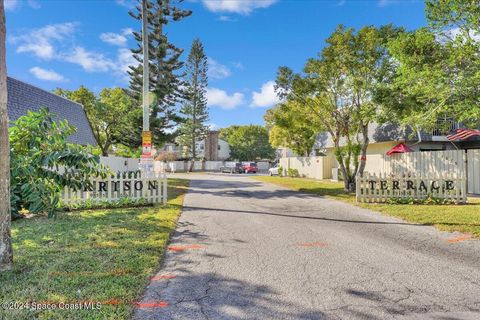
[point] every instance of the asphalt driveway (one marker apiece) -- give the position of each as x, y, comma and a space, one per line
245, 249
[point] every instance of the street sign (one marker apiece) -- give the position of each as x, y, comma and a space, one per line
147, 138
146, 144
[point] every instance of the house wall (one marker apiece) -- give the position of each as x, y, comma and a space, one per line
222, 150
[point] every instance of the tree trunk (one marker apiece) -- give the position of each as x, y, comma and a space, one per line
6, 255
348, 181
194, 154
363, 153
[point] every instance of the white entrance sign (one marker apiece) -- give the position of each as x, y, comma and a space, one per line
383, 187
153, 190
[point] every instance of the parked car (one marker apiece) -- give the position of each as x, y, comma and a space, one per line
232, 167
250, 167
275, 170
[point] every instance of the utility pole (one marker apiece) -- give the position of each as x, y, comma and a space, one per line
146, 76
146, 162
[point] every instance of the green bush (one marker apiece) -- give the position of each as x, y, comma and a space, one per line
293, 173
43, 163
429, 200
105, 204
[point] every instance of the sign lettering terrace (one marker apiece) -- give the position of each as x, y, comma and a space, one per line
383, 188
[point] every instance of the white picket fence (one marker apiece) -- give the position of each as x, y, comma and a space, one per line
383, 187
153, 190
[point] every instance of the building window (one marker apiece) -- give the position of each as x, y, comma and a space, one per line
218, 147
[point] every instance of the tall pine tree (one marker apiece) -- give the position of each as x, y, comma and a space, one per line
165, 70
194, 107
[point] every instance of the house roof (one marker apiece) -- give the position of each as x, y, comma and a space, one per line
378, 133
23, 97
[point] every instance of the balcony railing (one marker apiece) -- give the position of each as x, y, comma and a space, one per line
445, 127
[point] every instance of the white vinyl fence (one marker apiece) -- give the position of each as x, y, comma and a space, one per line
120, 164
153, 190
381, 188
473, 170
444, 163
311, 167
451, 162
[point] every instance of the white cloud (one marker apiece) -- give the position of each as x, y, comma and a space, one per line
237, 6
56, 42
117, 39
11, 4
41, 42
217, 70
125, 59
266, 97
219, 98
90, 61
48, 75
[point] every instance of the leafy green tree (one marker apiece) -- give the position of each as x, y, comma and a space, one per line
338, 88
291, 126
194, 109
109, 114
43, 163
248, 143
438, 68
165, 71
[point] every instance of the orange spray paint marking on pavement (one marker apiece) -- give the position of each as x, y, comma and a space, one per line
185, 247
165, 276
317, 244
155, 304
460, 238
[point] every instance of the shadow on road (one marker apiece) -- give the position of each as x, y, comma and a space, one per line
218, 297
299, 216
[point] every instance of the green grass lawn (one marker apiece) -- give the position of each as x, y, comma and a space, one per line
463, 218
104, 256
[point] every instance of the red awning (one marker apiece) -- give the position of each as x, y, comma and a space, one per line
399, 148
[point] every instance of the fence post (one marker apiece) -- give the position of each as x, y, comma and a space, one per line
164, 193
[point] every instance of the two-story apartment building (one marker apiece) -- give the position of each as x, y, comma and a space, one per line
212, 148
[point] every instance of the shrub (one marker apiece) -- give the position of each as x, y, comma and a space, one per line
429, 200
293, 173
106, 204
43, 162
166, 156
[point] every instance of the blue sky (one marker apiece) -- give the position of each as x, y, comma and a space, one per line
68, 43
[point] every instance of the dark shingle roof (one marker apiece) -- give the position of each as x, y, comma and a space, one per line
23, 97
